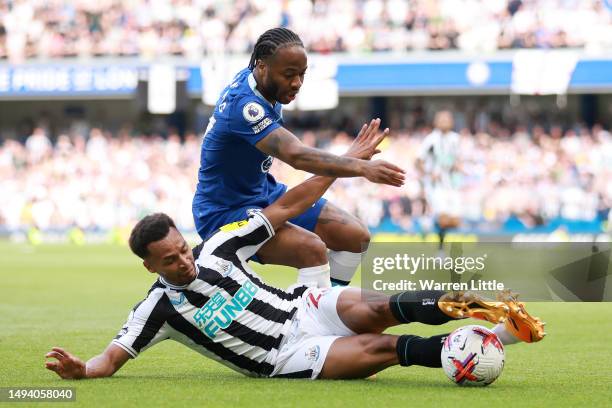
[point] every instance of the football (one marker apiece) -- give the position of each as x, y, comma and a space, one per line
473, 355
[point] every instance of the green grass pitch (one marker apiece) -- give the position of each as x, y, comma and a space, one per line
78, 298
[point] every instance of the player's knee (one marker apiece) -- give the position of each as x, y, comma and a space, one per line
364, 238
312, 251
360, 238
379, 310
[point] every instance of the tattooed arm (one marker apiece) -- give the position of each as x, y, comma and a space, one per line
301, 197
287, 147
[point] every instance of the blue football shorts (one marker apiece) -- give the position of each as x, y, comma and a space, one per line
208, 225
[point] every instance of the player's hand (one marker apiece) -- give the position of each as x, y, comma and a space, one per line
382, 172
67, 366
365, 144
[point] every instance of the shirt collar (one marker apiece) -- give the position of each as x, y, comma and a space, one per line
177, 287
171, 286
253, 86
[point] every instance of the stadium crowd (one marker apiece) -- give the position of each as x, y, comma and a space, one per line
100, 180
193, 28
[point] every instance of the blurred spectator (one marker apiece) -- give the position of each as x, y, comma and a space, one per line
194, 28
38, 145
526, 179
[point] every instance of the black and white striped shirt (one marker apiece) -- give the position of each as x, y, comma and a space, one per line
227, 313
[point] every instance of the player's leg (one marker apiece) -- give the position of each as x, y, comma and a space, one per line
346, 237
363, 355
320, 340
360, 356
338, 331
346, 312
343, 234
291, 246
294, 246
372, 312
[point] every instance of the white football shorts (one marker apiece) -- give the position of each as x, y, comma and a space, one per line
314, 328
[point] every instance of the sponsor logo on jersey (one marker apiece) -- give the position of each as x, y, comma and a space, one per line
253, 112
262, 125
218, 313
266, 164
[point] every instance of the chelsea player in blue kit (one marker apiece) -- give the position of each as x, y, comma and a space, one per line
243, 136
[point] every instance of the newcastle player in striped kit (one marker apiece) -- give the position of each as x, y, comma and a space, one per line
210, 300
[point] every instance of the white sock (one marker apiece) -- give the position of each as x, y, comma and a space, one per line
504, 335
315, 276
343, 265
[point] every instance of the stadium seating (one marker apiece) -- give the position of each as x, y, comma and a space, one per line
190, 28
520, 183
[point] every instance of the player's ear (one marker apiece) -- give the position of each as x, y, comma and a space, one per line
148, 266
262, 65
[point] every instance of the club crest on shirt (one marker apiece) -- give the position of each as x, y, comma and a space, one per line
222, 266
313, 353
266, 164
253, 112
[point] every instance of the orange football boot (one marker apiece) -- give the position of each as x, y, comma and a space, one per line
519, 322
461, 305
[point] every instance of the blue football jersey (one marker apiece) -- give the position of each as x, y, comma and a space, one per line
233, 172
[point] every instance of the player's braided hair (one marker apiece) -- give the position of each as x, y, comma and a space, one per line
271, 41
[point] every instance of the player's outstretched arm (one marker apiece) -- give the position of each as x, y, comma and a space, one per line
301, 197
297, 200
69, 366
286, 146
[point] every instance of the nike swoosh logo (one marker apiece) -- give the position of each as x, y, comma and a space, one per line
463, 347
